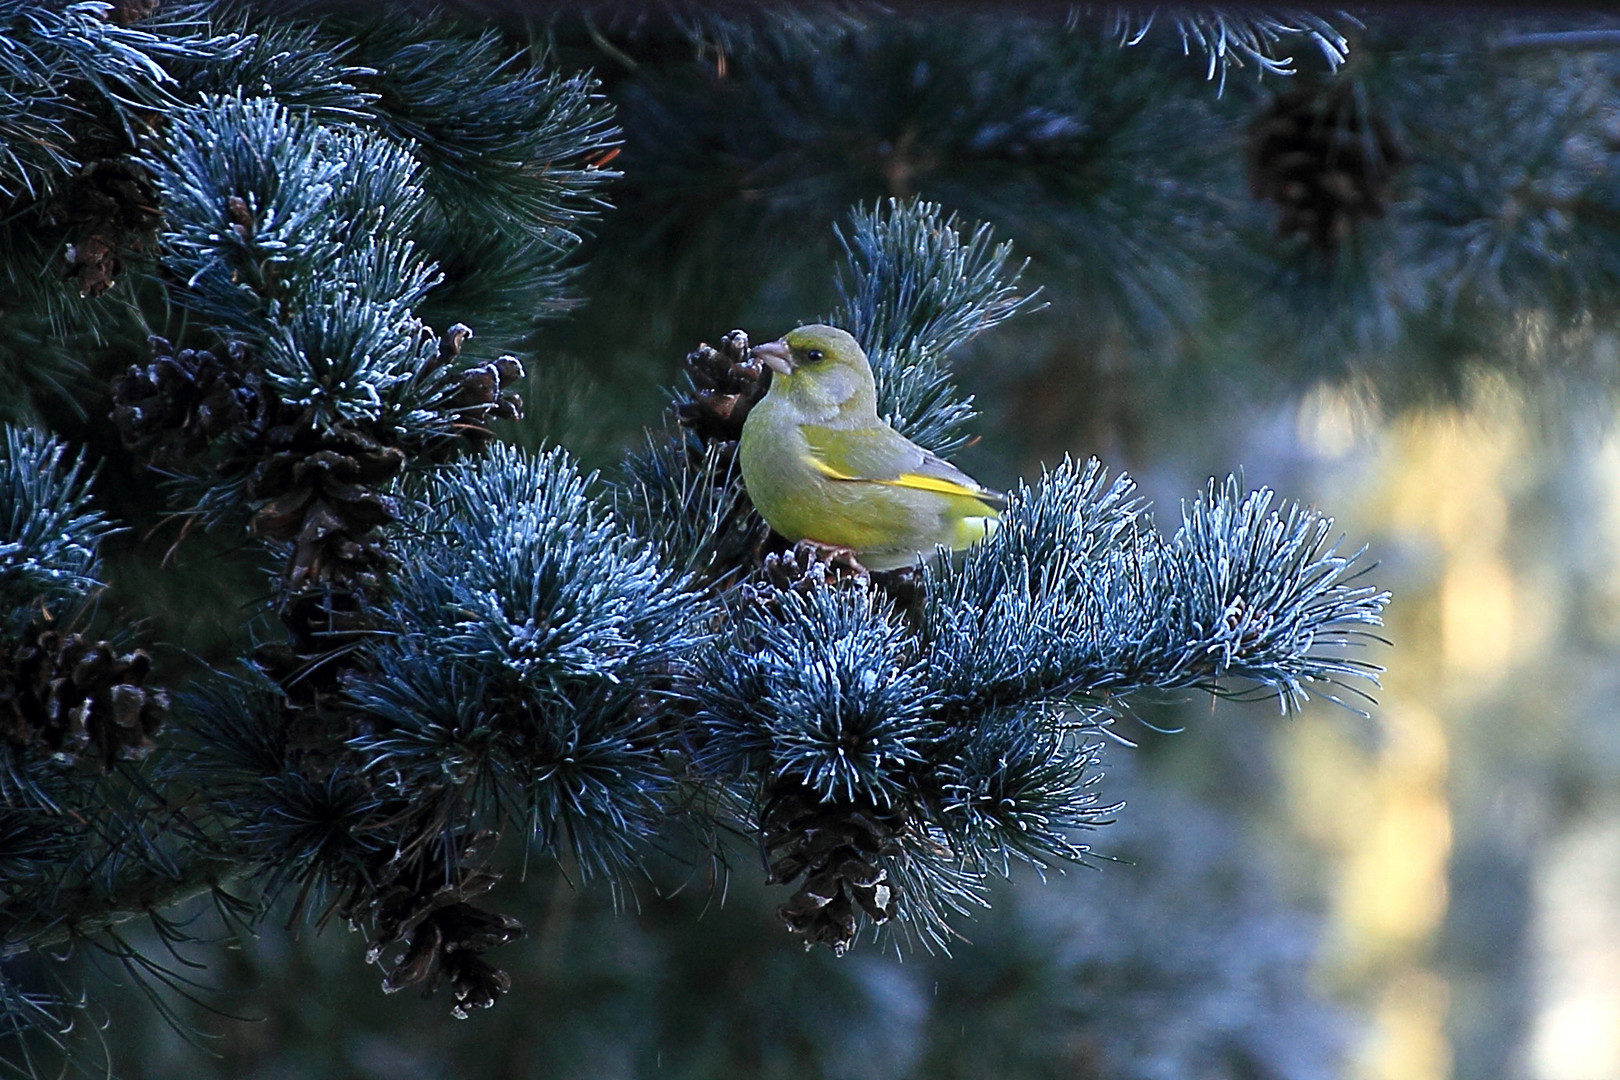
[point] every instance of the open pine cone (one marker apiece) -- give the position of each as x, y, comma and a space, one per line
726, 383
445, 937
173, 406
65, 696
837, 849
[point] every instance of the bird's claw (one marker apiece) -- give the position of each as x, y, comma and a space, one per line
840, 561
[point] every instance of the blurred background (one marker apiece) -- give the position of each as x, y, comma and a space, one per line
1385, 285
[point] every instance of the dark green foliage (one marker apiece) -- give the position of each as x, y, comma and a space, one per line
1179, 960
299, 233
686, 498
54, 57
1118, 173
77, 89
296, 829
504, 142
1072, 147
1539, 235
299, 63
513, 150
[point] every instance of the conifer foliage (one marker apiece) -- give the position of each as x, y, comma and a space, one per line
469, 651
895, 738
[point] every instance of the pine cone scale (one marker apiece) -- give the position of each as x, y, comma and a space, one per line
834, 847
72, 699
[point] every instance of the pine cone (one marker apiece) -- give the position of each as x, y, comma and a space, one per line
802, 569
110, 209
449, 944
726, 383
904, 587
64, 696
317, 491
836, 848
171, 408
445, 936
484, 396
808, 566
1325, 160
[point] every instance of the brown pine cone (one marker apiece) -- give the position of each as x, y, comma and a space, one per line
837, 848
486, 394
111, 209
1325, 160
726, 383
316, 489
171, 408
64, 696
445, 937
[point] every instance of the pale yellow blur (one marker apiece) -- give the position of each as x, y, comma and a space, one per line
1478, 619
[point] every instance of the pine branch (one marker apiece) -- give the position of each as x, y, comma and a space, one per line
685, 497
300, 63
893, 755
516, 156
1539, 233
1076, 599
475, 642
914, 290
506, 143
50, 55
262, 202
971, 737
49, 535
533, 634
77, 88
91, 909
86, 842
293, 231
818, 691
1234, 36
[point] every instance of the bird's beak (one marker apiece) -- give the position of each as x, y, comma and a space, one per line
776, 355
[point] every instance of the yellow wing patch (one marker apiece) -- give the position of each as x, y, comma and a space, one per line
933, 483
827, 470
905, 480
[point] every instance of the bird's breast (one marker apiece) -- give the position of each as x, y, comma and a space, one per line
794, 497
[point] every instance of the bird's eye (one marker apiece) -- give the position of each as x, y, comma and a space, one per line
814, 356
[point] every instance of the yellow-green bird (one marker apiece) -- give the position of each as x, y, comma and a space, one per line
820, 465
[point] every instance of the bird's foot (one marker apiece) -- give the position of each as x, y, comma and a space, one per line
841, 562
810, 563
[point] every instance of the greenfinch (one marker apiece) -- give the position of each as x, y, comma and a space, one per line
820, 465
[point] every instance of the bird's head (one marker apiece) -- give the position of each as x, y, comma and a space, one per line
821, 368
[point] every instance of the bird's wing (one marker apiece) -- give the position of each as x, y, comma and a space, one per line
881, 455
